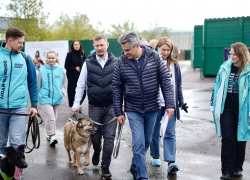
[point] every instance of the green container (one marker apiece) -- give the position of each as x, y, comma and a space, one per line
197, 47
220, 34
187, 54
114, 47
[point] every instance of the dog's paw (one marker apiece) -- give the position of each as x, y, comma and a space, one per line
80, 172
75, 165
70, 162
86, 164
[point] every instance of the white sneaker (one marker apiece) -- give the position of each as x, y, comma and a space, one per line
48, 138
53, 141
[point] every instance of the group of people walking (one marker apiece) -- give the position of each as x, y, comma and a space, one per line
144, 82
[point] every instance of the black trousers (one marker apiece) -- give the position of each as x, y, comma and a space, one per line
232, 151
103, 115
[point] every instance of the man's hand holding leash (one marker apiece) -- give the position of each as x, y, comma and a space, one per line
170, 112
121, 118
75, 110
33, 112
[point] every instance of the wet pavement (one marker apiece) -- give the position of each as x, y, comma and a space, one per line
198, 147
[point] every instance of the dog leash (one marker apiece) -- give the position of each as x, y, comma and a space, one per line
97, 123
120, 126
118, 140
33, 129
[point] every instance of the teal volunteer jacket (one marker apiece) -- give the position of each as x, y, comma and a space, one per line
51, 85
219, 96
16, 77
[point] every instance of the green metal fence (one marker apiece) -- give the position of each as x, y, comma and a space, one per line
114, 46
220, 34
197, 47
22, 49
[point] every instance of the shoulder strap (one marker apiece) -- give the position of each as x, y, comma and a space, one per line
24, 56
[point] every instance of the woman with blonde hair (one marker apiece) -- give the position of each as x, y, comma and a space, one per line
230, 104
52, 85
165, 48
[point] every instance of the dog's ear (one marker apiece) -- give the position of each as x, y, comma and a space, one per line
79, 125
22, 147
79, 119
9, 149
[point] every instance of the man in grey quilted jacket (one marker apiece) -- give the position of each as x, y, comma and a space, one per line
138, 74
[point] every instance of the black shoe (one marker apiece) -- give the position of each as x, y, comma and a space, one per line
225, 176
106, 173
96, 158
237, 174
134, 173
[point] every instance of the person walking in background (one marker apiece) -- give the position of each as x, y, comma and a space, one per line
37, 61
230, 104
97, 73
52, 84
16, 78
73, 65
153, 43
144, 42
165, 49
138, 74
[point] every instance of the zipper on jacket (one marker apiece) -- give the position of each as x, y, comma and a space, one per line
139, 84
8, 103
103, 81
52, 86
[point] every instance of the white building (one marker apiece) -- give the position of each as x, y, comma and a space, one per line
4, 21
181, 39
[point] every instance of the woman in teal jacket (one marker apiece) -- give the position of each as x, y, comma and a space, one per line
52, 84
230, 104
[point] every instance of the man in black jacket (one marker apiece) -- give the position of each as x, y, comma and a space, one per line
138, 74
97, 73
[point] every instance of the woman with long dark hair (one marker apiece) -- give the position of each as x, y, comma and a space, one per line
73, 64
165, 48
230, 104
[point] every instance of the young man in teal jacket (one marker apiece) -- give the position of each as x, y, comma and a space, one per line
16, 75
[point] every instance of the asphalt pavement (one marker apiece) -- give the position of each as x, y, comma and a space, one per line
198, 147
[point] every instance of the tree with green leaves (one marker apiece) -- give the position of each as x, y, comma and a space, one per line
28, 15
77, 27
120, 29
154, 32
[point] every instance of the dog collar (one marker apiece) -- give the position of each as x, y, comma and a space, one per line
5, 177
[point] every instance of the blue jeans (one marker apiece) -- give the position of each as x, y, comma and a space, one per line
169, 141
141, 128
14, 126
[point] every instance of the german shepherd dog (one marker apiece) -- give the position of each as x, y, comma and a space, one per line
77, 137
13, 163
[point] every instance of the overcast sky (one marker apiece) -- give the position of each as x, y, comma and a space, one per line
174, 14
